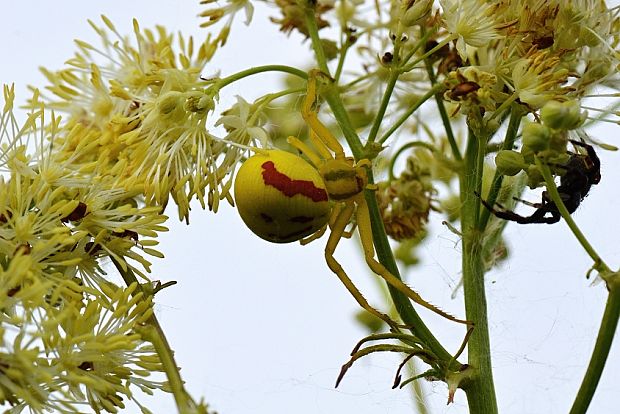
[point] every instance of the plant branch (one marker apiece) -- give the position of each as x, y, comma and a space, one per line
599, 264
220, 83
480, 389
456, 153
601, 349
436, 89
389, 89
516, 115
156, 336
313, 31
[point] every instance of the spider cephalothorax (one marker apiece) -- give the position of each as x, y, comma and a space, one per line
582, 171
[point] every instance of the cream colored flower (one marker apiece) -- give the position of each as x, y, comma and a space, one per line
470, 22
539, 78
143, 107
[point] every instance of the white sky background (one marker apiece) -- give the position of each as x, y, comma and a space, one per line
264, 328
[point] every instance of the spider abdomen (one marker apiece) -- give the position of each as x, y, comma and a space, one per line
281, 197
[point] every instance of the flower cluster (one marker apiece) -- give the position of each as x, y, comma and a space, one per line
406, 202
144, 107
67, 333
492, 54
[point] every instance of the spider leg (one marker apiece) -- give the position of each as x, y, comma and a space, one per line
316, 235
304, 149
349, 233
528, 203
319, 145
539, 216
309, 115
338, 227
365, 231
491, 208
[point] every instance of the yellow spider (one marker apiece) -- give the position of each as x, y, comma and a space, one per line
282, 198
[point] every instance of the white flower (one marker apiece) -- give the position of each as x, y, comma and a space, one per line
241, 124
470, 22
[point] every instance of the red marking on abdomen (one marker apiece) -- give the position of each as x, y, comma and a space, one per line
288, 187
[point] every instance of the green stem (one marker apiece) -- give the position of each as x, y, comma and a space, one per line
345, 43
401, 302
382, 246
395, 71
511, 134
220, 83
343, 54
427, 54
361, 78
422, 42
156, 336
480, 389
266, 100
552, 190
437, 88
612, 309
456, 153
412, 144
389, 89
313, 31
601, 350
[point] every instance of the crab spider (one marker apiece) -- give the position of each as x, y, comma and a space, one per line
282, 198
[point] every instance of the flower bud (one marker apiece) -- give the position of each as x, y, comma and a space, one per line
170, 105
169, 101
199, 102
509, 162
415, 12
562, 115
534, 177
536, 136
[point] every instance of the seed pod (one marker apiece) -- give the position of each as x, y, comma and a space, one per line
536, 136
562, 115
509, 162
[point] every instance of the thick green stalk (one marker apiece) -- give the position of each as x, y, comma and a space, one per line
313, 31
601, 350
401, 302
611, 314
155, 335
552, 190
382, 246
480, 389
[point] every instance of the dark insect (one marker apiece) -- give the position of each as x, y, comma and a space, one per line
463, 89
78, 213
582, 171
